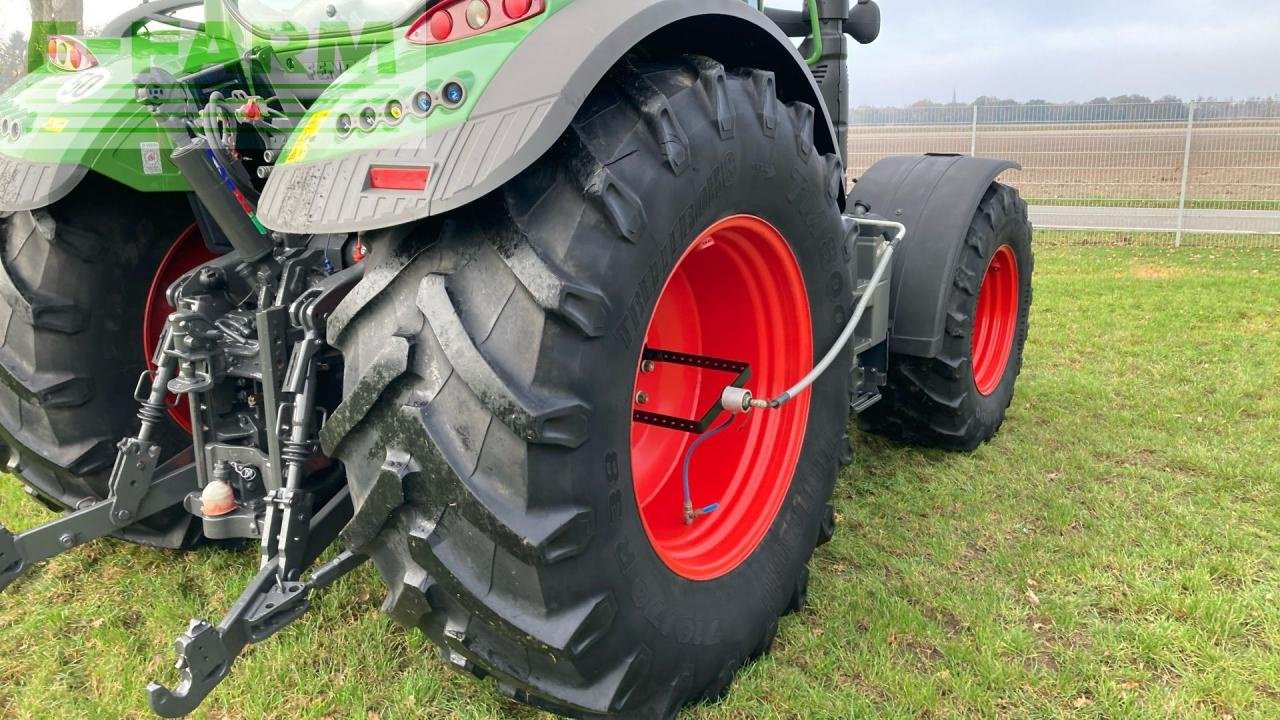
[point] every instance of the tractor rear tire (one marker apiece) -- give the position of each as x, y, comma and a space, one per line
958, 400
487, 427
74, 282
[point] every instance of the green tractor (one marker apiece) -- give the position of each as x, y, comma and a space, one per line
557, 311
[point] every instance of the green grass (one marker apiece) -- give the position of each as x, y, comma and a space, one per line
1128, 238
1157, 203
1112, 554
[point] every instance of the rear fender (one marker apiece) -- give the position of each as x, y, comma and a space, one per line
526, 83
936, 197
73, 122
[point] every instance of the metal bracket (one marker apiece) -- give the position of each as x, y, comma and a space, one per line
273, 333
694, 427
267, 606
285, 531
17, 554
131, 478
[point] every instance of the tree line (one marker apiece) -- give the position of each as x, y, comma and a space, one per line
22, 52
989, 110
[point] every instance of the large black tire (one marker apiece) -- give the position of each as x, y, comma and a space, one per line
935, 402
74, 279
490, 359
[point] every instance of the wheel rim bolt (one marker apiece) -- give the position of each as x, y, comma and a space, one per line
642, 398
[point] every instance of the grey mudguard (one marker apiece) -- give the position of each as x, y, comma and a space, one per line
936, 197
28, 186
523, 112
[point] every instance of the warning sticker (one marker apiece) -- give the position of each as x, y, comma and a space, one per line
151, 164
302, 144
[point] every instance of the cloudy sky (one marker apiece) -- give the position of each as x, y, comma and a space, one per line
1056, 50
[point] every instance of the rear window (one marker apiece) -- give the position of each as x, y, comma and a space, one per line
311, 17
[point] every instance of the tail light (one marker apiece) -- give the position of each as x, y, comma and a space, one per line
69, 54
457, 19
399, 178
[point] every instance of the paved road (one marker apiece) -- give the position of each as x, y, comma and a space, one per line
1148, 220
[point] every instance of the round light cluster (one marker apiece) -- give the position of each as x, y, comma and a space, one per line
10, 130
451, 96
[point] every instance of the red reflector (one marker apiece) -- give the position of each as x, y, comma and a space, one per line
413, 179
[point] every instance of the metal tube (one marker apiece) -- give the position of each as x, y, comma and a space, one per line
1186, 174
858, 312
815, 30
973, 133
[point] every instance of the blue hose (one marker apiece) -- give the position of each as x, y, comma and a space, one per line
688, 458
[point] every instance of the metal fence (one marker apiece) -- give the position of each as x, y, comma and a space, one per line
1151, 173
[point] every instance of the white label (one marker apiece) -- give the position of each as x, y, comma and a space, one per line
151, 164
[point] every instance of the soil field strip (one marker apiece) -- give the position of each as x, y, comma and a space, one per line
1234, 164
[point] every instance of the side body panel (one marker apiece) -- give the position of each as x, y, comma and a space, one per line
73, 122
70, 122
524, 85
935, 196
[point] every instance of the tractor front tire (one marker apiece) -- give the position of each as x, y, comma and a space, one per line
958, 400
492, 363
74, 283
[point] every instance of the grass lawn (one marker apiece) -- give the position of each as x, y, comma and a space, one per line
1112, 554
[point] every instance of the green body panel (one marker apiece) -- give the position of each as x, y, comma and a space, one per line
397, 71
92, 118
107, 130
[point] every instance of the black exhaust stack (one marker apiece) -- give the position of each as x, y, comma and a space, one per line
226, 205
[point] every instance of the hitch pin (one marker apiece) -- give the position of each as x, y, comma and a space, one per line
740, 400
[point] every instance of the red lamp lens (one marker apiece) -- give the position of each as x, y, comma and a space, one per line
441, 25
452, 20
516, 9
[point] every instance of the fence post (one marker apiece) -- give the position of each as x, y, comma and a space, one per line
1186, 174
973, 135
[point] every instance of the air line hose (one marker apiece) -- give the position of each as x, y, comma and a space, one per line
737, 400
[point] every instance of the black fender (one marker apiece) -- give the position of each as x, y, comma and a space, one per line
936, 197
530, 102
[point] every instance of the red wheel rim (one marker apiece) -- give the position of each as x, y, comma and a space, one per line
188, 252
737, 293
996, 320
